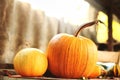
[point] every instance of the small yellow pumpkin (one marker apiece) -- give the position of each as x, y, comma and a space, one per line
30, 62
98, 71
72, 56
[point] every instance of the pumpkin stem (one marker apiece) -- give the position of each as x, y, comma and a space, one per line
86, 25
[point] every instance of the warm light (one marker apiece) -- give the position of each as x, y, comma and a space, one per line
102, 31
71, 11
116, 30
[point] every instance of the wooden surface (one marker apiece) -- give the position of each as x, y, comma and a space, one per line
108, 56
6, 66
103, 56
40, 78
49, 78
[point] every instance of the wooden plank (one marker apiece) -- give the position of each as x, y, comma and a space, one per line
110, 31
50, 78
6, 71
6, 66
108, 56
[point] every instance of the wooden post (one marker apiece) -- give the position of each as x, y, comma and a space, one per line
110, 18
3, 29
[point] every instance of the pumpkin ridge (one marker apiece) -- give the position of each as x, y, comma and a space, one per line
75, 59
64, 59
56, 59
95, 56
79, 45
77, 54
88, 43
72, 60
85, 62
86, 59
67, 54
58, 56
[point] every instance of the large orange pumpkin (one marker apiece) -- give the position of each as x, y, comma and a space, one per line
72, 56
30, 62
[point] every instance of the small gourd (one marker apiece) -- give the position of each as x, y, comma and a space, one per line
30, 62
98, 71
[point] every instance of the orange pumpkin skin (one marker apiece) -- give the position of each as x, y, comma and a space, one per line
70, 56
96, 72
30, 62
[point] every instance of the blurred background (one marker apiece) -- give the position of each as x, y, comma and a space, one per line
77, 12
32, 23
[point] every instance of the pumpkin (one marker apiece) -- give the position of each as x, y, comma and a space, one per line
98, 71
114, 70
72, 56
30, 62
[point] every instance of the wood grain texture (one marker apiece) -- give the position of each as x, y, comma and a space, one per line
108, 56
22, 26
